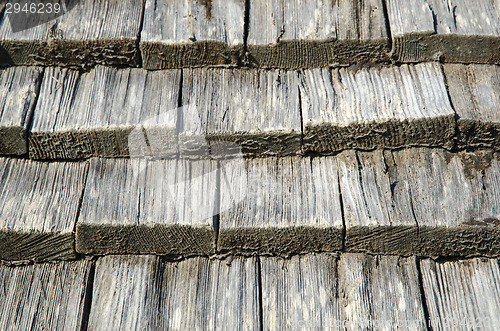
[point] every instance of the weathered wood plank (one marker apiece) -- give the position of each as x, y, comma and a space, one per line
462, 295
18, 90
106, 112
135, 206
43, 296
91, 32
301, 293
192, 33
316, 33
475, 94
38, 209
195, 294
449, 31
366, 108
124, 293
280, 206
421, 201
254, 109
380, 292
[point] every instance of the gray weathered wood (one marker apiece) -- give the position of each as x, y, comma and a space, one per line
475, 94
300, 293
43, 296
462, 295
366, 108
315, 33
449, 31
135, 206
92, 32
192, 33
106, 112
38, 208
142, 293
255, 111
363, 292
18, 90
380, 293
421, 201
280, 206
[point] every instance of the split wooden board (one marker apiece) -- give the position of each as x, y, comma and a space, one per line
280, 206
88, 33
447, 31
18, 91
375, 107
358, 292
194, 294
462, 295
44, 296
38, 209
192, 33
475, 94
136, 206
421, 202
106, 112
244, 111
316, 33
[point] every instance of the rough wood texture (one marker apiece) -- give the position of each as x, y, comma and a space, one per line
192, 33
135, 206
315, 33
38, 209
92, 32
106, 112
475, 94
449, 31
195, 294
380, 293
43, 296
18, 90
281, 206
421, 201
363, 292
256, 110
462, 295
300, 293
366, 108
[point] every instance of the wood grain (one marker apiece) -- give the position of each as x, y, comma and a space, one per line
375, 107
43, 296
462, 295
192, 33
421, 201
106, 112
92, 32
301, 293
195, 294
380, 292
18, 90
316, 33
256, 110
475, 94
447, 31
38, 209
280, 206
357, 292
136, 206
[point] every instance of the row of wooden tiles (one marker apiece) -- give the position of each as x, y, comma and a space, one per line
275, 33
310, 292
420, 202
109, 112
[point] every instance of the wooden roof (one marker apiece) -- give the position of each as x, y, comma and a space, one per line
251, 164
